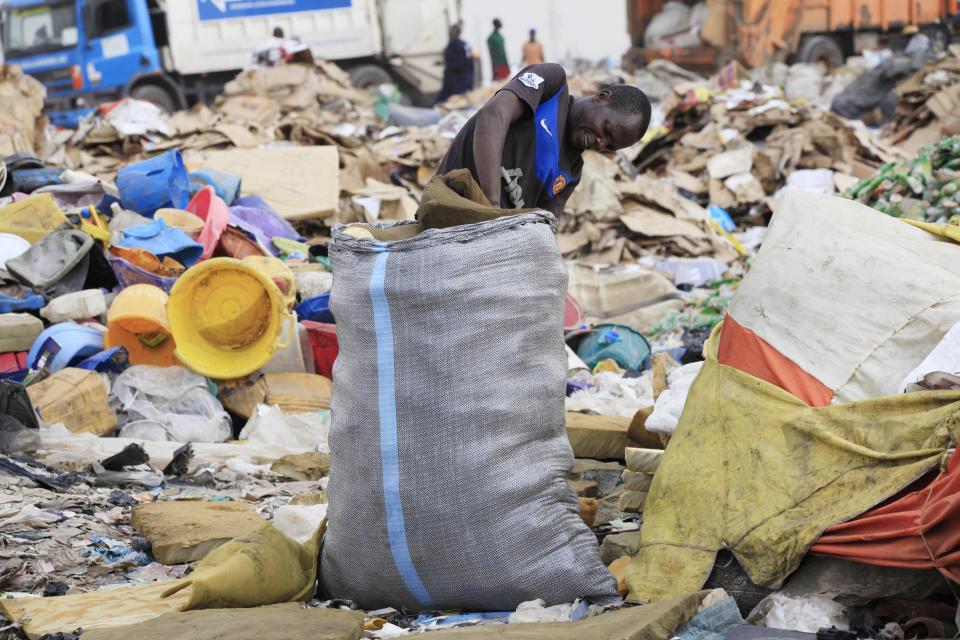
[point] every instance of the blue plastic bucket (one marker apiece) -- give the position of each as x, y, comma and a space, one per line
316, 309
114, 360
627, 347
156, 183
29, 180
226, 185
29, 302
64, 344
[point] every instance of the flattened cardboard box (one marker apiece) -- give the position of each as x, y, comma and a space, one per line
299, 182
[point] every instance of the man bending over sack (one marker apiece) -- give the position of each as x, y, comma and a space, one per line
524, 146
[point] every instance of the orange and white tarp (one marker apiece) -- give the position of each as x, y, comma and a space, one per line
852, 298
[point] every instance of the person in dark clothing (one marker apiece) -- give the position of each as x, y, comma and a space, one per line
457, 66
524, 147
498, 52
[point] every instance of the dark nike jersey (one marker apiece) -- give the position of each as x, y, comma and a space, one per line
538, 164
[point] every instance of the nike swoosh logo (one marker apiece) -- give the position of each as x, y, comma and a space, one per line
543, 123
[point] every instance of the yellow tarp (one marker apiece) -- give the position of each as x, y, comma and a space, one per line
949, 230
753, 469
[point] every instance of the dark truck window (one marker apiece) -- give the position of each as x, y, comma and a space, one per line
39, 29
158, 21
104, 16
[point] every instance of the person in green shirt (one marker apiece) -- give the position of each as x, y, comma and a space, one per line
498, 52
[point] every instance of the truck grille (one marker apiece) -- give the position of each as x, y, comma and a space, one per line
53, 77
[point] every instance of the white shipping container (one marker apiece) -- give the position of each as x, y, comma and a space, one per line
407, 36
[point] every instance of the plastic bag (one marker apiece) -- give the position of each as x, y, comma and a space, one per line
312, 284
610, 394
294, 431
17, 438
808, 614
673, 18
149, 430
669, 406
945, 357
538, 611
299, 522
174, 397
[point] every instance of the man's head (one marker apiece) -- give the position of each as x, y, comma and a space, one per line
613, 118
455, 32
277, 32
533, 35
497, 25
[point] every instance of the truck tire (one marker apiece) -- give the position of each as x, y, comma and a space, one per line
823, 49
368, 76
155, 94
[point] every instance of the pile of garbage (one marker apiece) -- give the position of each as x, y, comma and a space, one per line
688, 205
928, 103
22, 124
718, 152
167, 358
889, 334
924, 189
297, 102
167, 352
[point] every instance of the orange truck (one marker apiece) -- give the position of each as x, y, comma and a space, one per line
760, 31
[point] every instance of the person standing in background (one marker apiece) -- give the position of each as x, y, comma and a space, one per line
270, 52
532, 50
457, 66
498, 52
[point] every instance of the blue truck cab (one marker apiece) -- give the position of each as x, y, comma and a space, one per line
84, 51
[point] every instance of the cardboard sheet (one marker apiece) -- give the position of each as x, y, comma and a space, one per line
299, 182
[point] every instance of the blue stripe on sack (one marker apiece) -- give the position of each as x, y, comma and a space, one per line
389, 458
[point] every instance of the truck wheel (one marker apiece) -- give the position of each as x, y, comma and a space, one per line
368, 76
822, 49
155, 94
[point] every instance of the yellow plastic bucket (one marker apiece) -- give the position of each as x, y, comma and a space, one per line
280, 273
191, 224
137, 320
226, 318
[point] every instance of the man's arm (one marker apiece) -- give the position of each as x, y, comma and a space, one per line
493, 122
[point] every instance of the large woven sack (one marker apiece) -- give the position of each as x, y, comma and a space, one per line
447, 489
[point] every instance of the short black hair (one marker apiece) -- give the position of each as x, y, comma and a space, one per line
277, 32
629, 100
496, 23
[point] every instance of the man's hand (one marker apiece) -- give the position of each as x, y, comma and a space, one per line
493, 122
557, 203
